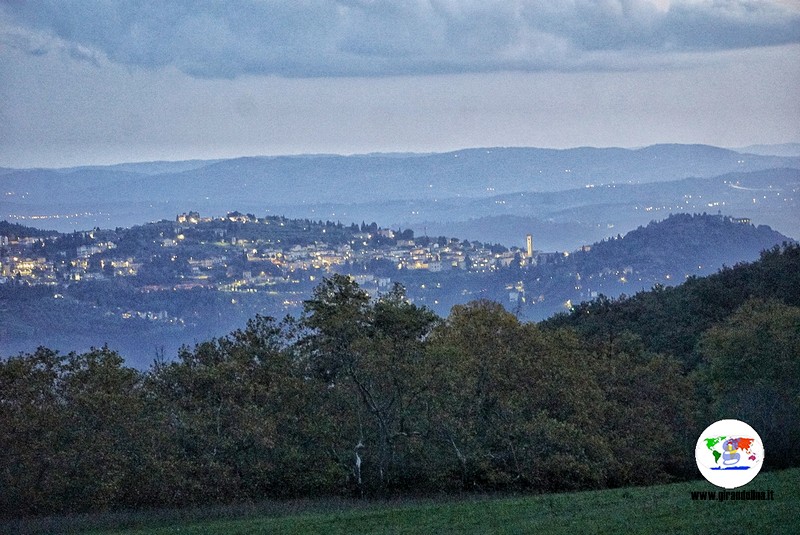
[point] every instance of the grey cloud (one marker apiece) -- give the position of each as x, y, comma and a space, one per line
383, 37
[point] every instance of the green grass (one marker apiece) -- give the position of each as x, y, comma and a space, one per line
658, 510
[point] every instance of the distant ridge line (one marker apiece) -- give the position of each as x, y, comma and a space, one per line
788, 149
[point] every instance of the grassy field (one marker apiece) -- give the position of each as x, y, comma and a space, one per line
658, 510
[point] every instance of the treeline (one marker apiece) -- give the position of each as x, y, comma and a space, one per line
672, 320
375, 397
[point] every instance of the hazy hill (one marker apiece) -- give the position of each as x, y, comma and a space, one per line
679, 245
566, 220
149, 168
15, 230
113, 195
662, 253
783, 149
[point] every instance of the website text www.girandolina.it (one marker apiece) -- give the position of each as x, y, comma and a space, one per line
732, 495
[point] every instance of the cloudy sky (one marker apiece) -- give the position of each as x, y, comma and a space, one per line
86, 82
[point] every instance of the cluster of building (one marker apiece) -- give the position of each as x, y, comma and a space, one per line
18, 261
22, 260
259, 261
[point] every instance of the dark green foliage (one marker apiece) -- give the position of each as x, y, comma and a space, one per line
517, 407
30, 417
379, 397
751, 364
370, 356
69, 433
672, 320
232, 415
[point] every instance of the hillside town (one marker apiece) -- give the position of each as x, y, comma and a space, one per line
244, 253
174, 282
272, 263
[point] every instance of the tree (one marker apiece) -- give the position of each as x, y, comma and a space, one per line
31, 427
516, 406
371, 355
751, 364
648, 410
232, 409
70, 431
103, 418
339, 313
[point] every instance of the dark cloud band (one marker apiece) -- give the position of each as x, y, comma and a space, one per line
383, 37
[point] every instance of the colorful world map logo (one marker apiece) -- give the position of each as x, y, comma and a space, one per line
729, 453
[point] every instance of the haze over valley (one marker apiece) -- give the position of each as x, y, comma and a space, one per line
566, 198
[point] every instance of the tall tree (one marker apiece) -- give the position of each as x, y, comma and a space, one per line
103, 416
229, 406
371, 353
31, 430
517, 406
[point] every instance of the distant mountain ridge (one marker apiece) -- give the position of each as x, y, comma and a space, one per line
397, 189
326, 178
571, 218
147, 168
782, 149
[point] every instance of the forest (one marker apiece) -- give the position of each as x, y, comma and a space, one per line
380, 397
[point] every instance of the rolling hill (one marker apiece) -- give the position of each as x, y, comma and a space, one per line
356, 187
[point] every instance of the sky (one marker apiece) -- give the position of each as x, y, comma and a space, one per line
98, 82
